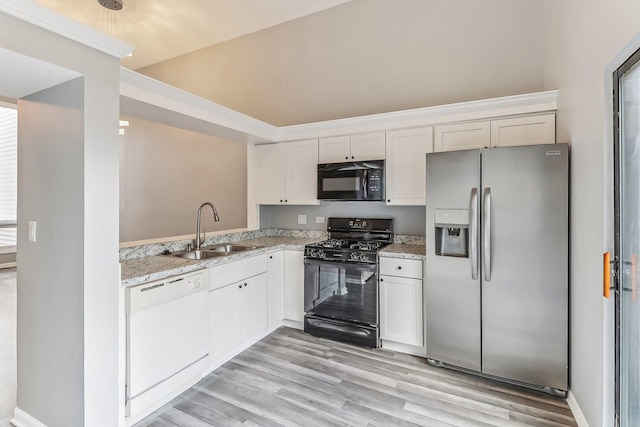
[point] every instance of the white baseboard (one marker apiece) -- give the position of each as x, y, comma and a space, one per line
293, 324
576, 410
404, 348
22, 419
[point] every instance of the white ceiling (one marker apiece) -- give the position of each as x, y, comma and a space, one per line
163, 29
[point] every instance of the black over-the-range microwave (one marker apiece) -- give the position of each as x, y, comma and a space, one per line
351, 181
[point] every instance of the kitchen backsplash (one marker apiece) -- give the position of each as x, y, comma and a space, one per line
180, 245
406, 219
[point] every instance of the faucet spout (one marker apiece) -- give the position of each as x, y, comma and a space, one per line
199, 221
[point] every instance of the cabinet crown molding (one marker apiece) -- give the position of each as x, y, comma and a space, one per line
149, 99
485, 109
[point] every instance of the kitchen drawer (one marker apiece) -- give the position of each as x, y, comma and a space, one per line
400, 267
224, 274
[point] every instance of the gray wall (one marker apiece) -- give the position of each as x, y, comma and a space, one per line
370, 56
582, 38
50, 295
407, 219
166, 173
68, 345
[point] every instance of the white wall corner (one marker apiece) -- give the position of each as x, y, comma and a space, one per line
253, 210
576, 410
22, 419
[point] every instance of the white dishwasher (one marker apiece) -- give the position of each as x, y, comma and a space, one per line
167, 338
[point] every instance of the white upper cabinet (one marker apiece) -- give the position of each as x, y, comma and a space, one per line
269, 174
368, 146
526, 130
286, 173
462, 136
301, 172
406, 165
337, 149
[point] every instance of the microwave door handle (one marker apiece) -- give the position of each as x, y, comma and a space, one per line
365, 184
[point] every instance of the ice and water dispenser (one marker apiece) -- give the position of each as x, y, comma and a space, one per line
452, 232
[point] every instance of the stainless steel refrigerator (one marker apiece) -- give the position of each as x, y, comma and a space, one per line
497, 263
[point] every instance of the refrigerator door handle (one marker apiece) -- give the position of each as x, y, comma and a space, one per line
473, 233
486, 233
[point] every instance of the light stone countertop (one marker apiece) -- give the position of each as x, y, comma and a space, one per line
402, 250
141, 270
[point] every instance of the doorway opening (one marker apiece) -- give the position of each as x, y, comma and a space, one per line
8, 234
626, 123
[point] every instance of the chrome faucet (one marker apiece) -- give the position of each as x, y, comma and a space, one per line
215, 218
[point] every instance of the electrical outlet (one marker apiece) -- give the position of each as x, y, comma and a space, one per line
319, 220
302, 219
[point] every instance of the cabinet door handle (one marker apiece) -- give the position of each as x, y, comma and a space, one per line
285, 200
352, 157
270, 257
346, 158
245, 285
239, 286
399, 267
381, 279
280, 200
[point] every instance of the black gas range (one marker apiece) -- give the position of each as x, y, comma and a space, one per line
352, 240
341, 280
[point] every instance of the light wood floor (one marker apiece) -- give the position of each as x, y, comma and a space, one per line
8, 304
293, 379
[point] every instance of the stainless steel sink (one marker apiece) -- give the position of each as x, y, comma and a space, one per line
202, 254
229, 248
213, 251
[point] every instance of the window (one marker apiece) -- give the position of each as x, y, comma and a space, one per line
8, 176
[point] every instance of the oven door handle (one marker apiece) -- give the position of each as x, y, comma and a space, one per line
341, 264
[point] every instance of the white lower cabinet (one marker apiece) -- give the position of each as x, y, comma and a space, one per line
225, 329
237, 313
294, 285
275, 280
401, 303
238, 304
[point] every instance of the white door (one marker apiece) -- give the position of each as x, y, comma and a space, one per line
462, 136
527, 130
401, 310
294, 285
368, 146
253, 297
301, 172
269, 174
335, 149
405, 165
275, 286
225, 328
